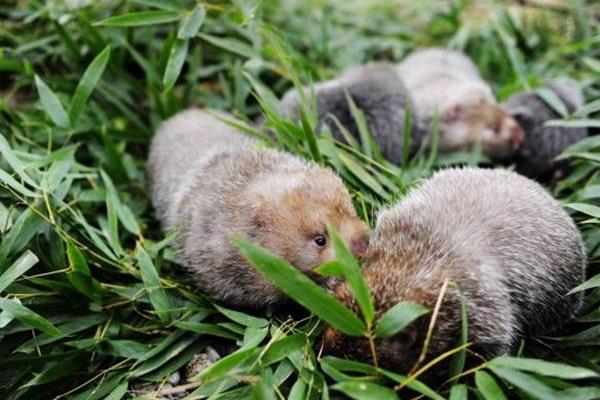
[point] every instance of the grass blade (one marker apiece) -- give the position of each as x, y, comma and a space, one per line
301, 289
88, 82
51, 104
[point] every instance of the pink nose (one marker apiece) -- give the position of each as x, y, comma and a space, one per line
517, 137
359, 246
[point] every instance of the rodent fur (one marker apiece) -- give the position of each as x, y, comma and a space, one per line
509, 247
377, 91
542, 144
211, 183
447, 83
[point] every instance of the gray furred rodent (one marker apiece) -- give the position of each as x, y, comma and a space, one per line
211, 183
543, 144
496, 236
377, 91
447, 83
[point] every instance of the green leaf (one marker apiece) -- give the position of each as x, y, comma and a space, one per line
80, 275
29, 317
227, 364
458, 392
282, 348
118, 392
552, 99
228, 44
206, 329
8, 180
587, 209
359, 172
301, 289
171, 5
51, 104
546, 368
87, 83
191, 23
488, 387
151, 280
18, 268
365, 391
141, 18
398, 317
331, 268
591, 283
15, 163
354, 276
527, 383
242, 318
177, 56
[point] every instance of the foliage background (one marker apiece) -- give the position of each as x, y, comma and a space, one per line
91, 297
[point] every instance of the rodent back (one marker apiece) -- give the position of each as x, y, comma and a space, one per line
500, 215
178, 149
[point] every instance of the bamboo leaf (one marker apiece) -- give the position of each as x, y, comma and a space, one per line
303, 290
141, 18
398, 317
51, 104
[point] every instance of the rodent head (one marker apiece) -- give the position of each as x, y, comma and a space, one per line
464, 124
397, 269
290, 211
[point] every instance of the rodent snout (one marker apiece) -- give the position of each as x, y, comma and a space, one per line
517, 136
359, 246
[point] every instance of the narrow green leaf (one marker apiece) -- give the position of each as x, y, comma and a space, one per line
488, 387
29, 317
191, 23
546, 368
206, 329
175, 63
527, 383
365, 390
8, 180
398, 317
88, 82
232, 45
141, 18
243, 318
170, 5
51, 104
118, 392
18, 268
80, 275
459, 392
225, 365
301, 289
15, 163
151, 280
354, 276
358, 171
282, 348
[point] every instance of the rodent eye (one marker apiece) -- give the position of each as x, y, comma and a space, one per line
320, 240
496, 127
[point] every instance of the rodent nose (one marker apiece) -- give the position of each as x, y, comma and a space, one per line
359, 246
517, 136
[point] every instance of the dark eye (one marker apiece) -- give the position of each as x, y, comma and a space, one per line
320, 240
496, 127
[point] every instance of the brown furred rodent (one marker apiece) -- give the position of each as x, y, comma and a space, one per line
446, 83
496, 236
211, 183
